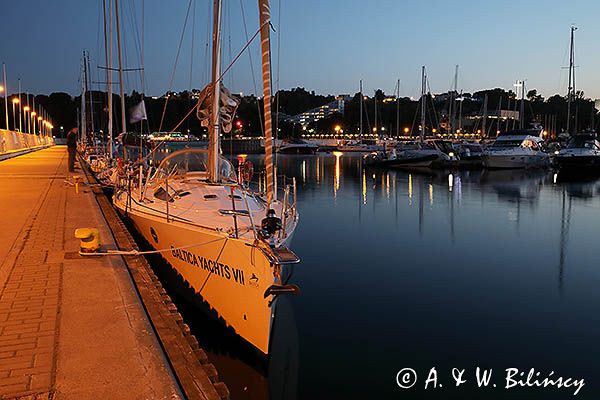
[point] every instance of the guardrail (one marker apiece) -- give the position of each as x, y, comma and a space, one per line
11, 141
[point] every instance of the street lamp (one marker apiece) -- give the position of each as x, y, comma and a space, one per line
6, 110
5, 106
40, 124
27, 125
14, 101
33, 114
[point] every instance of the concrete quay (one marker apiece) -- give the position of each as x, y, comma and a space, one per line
75, 327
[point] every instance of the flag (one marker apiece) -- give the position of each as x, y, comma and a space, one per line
137, 113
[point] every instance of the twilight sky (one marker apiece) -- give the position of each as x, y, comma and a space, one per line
326, 45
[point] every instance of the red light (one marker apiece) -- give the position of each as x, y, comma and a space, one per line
239, 124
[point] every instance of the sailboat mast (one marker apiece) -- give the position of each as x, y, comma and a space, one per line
88, 84
398, 110
123, 123
460, 104
423, 90
375, 102
215, 126
452, 105
571, 89
265, 40
108, 57
484, 122
360, 127
83, 105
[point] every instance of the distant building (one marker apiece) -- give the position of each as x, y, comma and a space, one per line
324, 111
494, 114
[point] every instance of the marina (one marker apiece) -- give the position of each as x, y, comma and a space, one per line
183, 220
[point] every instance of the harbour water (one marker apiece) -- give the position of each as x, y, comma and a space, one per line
488, 269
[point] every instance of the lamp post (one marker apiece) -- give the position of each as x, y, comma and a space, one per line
20, 125
39, 119
5, 96
5, 108
14, 101
26, 118
33, 114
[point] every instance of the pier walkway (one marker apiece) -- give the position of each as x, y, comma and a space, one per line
70, 328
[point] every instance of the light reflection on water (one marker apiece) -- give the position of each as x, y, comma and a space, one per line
474, 268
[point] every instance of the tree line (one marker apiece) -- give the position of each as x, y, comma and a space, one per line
393, 115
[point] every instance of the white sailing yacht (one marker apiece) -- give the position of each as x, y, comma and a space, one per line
228, 242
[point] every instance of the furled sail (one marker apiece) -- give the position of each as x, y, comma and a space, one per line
229, 105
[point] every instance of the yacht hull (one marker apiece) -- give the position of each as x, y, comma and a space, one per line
409, 162
230, 275
297, 149
494, 161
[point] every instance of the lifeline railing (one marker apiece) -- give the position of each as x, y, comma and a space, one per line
286, 187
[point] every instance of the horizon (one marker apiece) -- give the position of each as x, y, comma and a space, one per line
329, 57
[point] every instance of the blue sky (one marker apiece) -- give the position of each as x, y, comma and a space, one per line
326, 46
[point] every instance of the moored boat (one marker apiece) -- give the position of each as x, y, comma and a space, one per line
581, 154
297, 146
522, 148
228, 243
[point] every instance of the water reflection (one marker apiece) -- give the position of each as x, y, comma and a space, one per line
462, 265
336, 180
515, 185
565, 223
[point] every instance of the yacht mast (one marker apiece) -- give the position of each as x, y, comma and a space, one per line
375, 102
571, 90
460, 111
88, 84
108, 56
360, 128
123, 123
83, 104
452, 106
484, 122
265, 40
215, 127
398, 110
423, 90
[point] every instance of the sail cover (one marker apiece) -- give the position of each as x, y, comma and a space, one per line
228, 107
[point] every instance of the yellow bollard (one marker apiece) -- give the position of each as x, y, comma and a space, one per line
77, 179
90, 239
